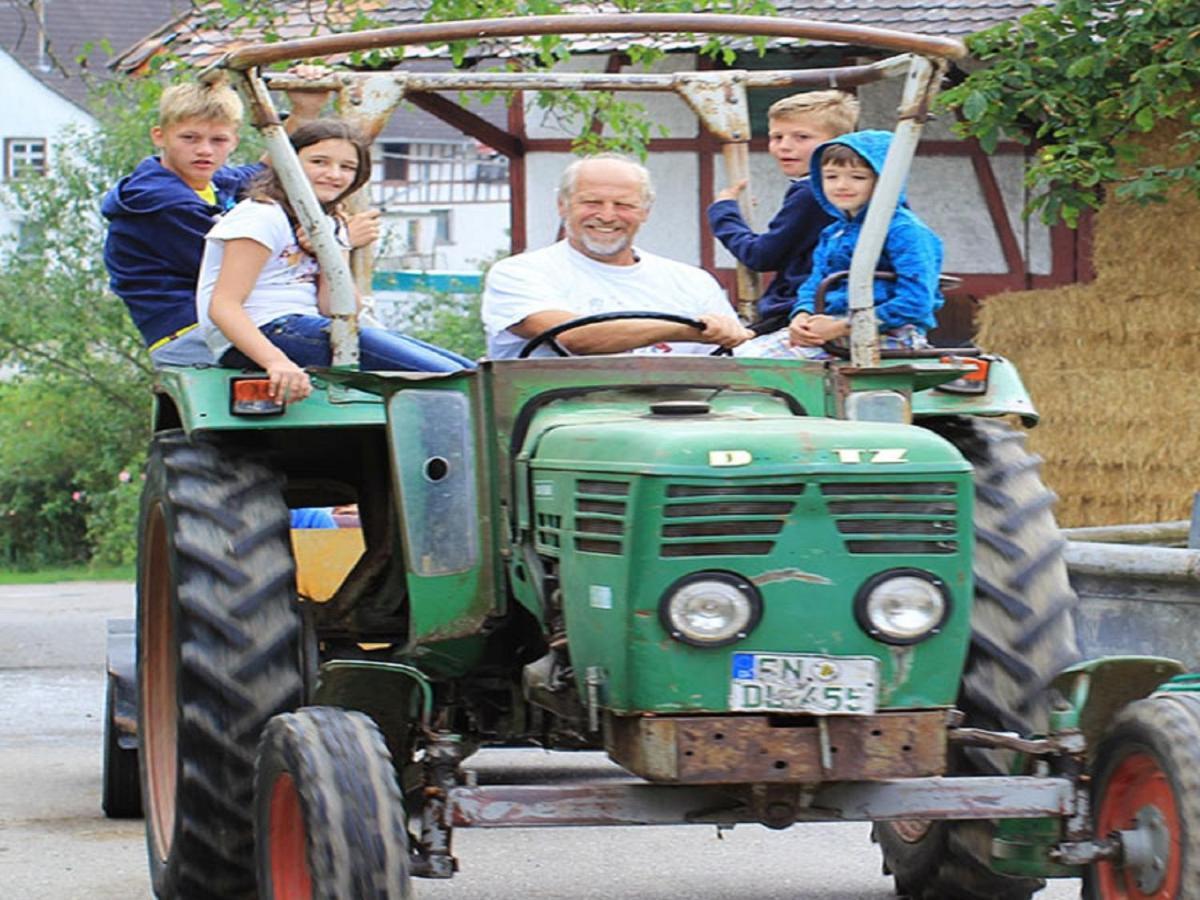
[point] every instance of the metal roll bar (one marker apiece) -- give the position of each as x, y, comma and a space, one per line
717, 97
645, 23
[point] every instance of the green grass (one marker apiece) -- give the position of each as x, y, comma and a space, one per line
73, 573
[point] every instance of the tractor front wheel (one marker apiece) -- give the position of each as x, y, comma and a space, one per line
1146, 789
218, 654
329, 819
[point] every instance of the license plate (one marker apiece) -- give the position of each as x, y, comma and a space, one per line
793, 682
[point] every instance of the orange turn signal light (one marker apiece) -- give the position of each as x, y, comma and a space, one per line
972, 382
251, 397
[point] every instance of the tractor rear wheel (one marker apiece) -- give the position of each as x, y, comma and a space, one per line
121, 796
1022, 635
1146, 786
218, 638
329, 820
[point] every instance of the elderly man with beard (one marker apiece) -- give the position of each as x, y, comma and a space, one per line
603, 201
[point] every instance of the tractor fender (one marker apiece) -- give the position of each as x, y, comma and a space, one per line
1006, 395
1095, 690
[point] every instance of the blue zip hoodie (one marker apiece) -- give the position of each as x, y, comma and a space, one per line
911, 250
156, 230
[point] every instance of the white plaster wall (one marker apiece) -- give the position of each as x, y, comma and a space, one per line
942, 189
673, 226
661, 109
945, 191
767, 184
30, 109
665, 109
479, 231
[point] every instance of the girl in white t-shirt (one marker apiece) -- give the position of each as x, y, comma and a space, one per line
261, 300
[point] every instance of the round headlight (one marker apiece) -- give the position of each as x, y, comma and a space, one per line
902, 606
710, 609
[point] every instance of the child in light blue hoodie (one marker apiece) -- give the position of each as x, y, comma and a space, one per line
849, 167
846, 170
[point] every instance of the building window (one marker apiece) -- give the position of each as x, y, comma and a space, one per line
24, 156
31, 237
395, 161
442, 220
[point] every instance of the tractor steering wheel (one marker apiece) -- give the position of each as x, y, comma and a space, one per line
550, 335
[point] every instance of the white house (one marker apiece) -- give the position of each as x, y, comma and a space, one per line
45, 85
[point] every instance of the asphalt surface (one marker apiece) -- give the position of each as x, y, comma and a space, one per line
55, 843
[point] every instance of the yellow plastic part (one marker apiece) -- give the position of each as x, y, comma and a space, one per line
324, 557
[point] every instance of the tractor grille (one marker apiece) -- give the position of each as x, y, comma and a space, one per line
895, 517
600, 507
549, 533
725, 520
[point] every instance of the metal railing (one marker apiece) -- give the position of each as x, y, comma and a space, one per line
438, 173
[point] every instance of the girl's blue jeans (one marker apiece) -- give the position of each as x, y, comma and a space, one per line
305, 340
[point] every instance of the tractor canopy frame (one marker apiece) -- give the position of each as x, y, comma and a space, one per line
718, 98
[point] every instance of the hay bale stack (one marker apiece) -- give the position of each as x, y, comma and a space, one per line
1114, 367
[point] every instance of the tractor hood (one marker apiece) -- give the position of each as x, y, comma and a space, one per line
662, 441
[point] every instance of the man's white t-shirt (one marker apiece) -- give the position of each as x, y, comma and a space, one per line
560, 277
287, 284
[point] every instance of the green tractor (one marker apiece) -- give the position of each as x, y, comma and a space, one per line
772, 591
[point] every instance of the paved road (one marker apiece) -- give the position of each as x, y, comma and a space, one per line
56, 845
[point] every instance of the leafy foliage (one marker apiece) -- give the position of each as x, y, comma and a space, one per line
74, 402
627, 125
1083, 79
451, 320
73, 407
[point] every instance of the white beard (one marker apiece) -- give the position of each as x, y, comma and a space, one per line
600, 247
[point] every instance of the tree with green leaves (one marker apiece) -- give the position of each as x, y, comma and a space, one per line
74, 402
1082, 80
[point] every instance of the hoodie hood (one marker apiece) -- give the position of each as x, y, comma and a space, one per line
872, 146
151, 187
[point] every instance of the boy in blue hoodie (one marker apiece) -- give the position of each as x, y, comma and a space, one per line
796, 125
159, 215
849, 166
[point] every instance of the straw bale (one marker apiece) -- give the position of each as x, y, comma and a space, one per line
1114, 366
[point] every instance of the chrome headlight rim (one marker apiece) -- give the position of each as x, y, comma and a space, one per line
863, 595
746, 588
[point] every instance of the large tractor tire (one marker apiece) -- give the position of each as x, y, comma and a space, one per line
1146, 785
218, 655
1022, 635
329, 819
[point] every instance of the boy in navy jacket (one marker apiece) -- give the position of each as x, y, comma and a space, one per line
158, 215
796, 125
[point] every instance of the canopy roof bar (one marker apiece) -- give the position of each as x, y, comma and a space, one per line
414, 82
651, 23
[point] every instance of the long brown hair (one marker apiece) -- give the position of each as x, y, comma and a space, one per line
266, 186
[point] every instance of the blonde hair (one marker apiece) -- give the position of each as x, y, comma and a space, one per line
216, 102
834, 111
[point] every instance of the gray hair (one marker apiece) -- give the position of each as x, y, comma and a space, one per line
570, 175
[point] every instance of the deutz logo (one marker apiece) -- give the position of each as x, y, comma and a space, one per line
730, 457
886, 455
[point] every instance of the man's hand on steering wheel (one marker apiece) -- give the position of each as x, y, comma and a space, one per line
725, 331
